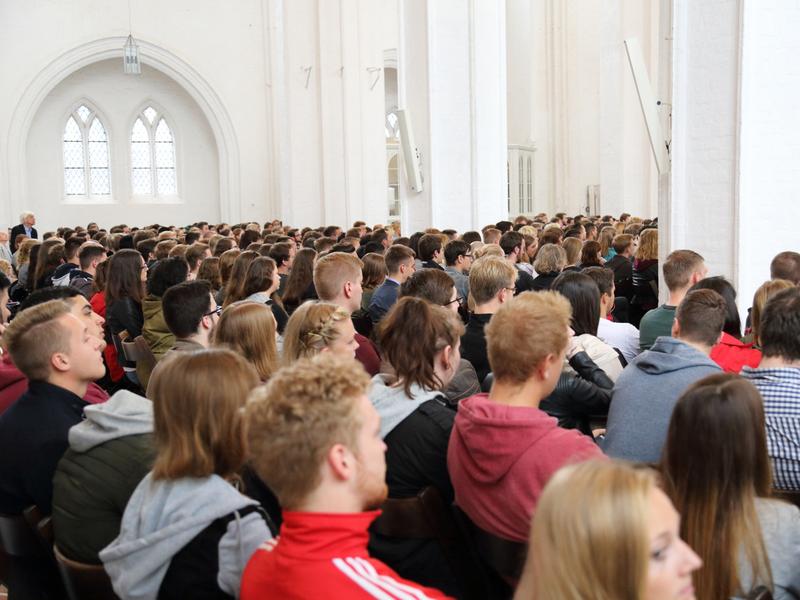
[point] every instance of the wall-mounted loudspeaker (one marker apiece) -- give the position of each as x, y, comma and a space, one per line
411, 157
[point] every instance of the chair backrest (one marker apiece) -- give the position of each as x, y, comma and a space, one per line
143, 352
17, 538
84, 582
505, 558
486, 384
760, 593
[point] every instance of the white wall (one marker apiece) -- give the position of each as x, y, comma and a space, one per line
118, 97
571, 95
306, 155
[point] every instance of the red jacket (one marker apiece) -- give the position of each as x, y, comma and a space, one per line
98, 303
368, 355
320, 555
500, 458
13, 384
732, 355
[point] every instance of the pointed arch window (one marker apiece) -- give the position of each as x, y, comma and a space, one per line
152, 155
85, 151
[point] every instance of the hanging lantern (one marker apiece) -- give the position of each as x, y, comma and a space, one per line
130, 57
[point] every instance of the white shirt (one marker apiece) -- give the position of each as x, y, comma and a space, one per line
622, 336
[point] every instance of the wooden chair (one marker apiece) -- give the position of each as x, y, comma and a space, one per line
504, 558
760, 593
426, 517
84, 582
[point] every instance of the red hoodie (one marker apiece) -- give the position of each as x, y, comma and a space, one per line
13, 384
500, 458
321, 555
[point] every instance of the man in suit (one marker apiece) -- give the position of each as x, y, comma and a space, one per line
399, 267
26, 222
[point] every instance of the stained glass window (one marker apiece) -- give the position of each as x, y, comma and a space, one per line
153, 155
85, 151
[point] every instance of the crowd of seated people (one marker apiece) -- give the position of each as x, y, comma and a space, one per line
222, 411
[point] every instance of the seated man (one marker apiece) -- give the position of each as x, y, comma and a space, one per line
622, 336
786, 265
646, 392
503, 449
430, 251
778, 379
458, 260
625, 246
315, 440
13, 382
682, 269
399, 267
90, 255
491, 281
337, 279
513, 245
190, 313
56, 351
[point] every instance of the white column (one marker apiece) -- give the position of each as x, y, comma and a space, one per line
453, 83
735, 145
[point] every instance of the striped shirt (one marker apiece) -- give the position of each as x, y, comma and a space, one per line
780, 389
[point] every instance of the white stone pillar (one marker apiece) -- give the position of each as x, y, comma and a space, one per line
452, 80
735, 145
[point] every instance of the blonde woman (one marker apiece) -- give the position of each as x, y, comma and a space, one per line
572, 247
550, 261
250, 330
22, 260
318, 327
645, 276
604, 530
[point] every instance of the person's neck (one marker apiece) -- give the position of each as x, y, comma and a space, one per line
334, 499
697, 346
676, 297
603, 311
528, 394
396, 277
68, 383
345, 303
201, 337
778, 362
489, 308
89, 270
74, 261
283, 270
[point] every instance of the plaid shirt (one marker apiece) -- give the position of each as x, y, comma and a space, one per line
780, 389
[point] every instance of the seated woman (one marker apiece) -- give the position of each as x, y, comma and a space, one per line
249, 329
572, 248
373, 274
260, 285
550, 261
605, 530
232, 292
645, 276
730, 353
318, 327
590, 255
186, 531
584, 296
717, 472
420, 342
299, 285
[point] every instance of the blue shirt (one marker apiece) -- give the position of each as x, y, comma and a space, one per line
780, 389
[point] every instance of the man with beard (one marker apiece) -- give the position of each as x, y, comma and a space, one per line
315, 440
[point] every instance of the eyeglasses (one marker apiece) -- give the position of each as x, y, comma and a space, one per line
217, 311
458, 299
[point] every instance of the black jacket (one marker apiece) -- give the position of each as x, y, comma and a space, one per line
15, 231
524, 283
579, 398
125, 314
416, 458
473, 345
545, 280
33, 438
623, 275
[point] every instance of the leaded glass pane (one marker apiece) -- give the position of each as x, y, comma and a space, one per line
166, 181
73, 155
98, 147
141, 181
165, 155
74, 182
72, 133
150, 113
139, 132
83, 113
101, 182
163, 133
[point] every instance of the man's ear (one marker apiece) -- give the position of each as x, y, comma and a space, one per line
676, 329
60, 362
348, 289
341, 462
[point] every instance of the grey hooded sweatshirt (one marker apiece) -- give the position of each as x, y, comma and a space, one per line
645, 394
392, 404
163, 516
110, 453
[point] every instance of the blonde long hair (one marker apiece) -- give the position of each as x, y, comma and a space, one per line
589, 537
311, 328
248, 328
648, 245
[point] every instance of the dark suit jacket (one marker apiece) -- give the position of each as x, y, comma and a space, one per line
15, 231
383, 299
